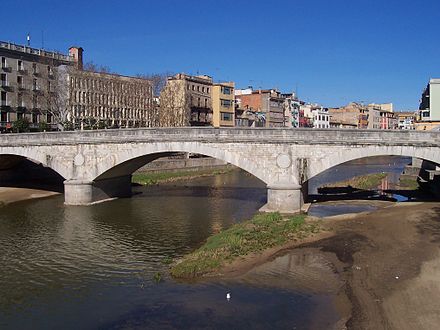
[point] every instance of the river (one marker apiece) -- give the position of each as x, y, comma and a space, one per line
105, 266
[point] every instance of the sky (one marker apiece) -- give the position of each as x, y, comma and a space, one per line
330, 52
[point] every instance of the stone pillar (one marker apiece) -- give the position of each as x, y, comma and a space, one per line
284, 198
84, 192
78, 192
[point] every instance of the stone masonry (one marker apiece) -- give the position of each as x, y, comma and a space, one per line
97, 165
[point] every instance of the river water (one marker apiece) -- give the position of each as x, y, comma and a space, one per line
95, 267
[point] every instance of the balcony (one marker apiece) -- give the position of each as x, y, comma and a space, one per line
5, 105
22, 70
6, 68
5, 85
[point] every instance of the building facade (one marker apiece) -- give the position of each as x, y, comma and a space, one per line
405, 120
429, 108
269, 103
28, 77
53, 89
186, 101
223, 104
321, 118
101, 100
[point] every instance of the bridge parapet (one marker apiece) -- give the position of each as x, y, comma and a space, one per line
266, 135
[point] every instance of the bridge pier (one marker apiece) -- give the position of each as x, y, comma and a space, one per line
85, 192
284, 198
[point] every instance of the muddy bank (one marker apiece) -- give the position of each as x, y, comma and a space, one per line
10, 195
381, 267
392, 265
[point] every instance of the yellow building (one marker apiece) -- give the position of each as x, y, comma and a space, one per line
223, 106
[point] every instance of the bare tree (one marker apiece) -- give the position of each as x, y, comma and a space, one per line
56, 97
175, 104
158, 81
91, 66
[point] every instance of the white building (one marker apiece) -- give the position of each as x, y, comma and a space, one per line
321, 118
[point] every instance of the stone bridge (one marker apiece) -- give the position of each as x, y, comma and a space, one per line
97, 165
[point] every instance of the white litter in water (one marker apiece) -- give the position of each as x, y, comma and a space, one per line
228, 296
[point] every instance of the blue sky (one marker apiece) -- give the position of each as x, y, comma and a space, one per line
330, 51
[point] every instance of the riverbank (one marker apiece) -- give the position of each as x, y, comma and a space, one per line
10, 195
242, 243
153, 178
390, 265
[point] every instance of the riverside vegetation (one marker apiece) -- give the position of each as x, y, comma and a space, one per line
262, 232
152, 178
364, 182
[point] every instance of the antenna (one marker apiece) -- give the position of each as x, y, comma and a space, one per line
28, 38
42, 39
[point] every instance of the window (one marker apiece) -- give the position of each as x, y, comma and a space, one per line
226, 103
20, 65
35, 118
34, 68
48, 118
226, 116
226, 90
4, 116
3, 98
20, 81
19, 100
3, 62
3, 79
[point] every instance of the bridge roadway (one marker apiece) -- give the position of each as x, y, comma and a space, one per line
97, 165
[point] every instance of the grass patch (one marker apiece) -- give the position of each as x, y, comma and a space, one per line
364, 182
263, 231
147, 178
408, 182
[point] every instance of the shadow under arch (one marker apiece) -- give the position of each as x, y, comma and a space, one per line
131, 161
18, 171
116, 181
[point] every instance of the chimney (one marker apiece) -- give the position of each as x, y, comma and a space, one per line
77, 54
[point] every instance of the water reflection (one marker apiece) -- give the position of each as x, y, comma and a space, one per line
92, 267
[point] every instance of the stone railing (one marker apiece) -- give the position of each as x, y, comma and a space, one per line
228, 135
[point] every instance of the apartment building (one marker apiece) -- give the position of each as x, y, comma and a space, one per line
268, 102
223, 104
186, 101
27, 77
321, 118
291, 110
388, 119
406, 119
101, 100
53, 89
429, 108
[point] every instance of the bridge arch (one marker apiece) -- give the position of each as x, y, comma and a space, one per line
128, 161
39, 158
342, 156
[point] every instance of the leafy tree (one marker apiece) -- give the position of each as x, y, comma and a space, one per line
21, 125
